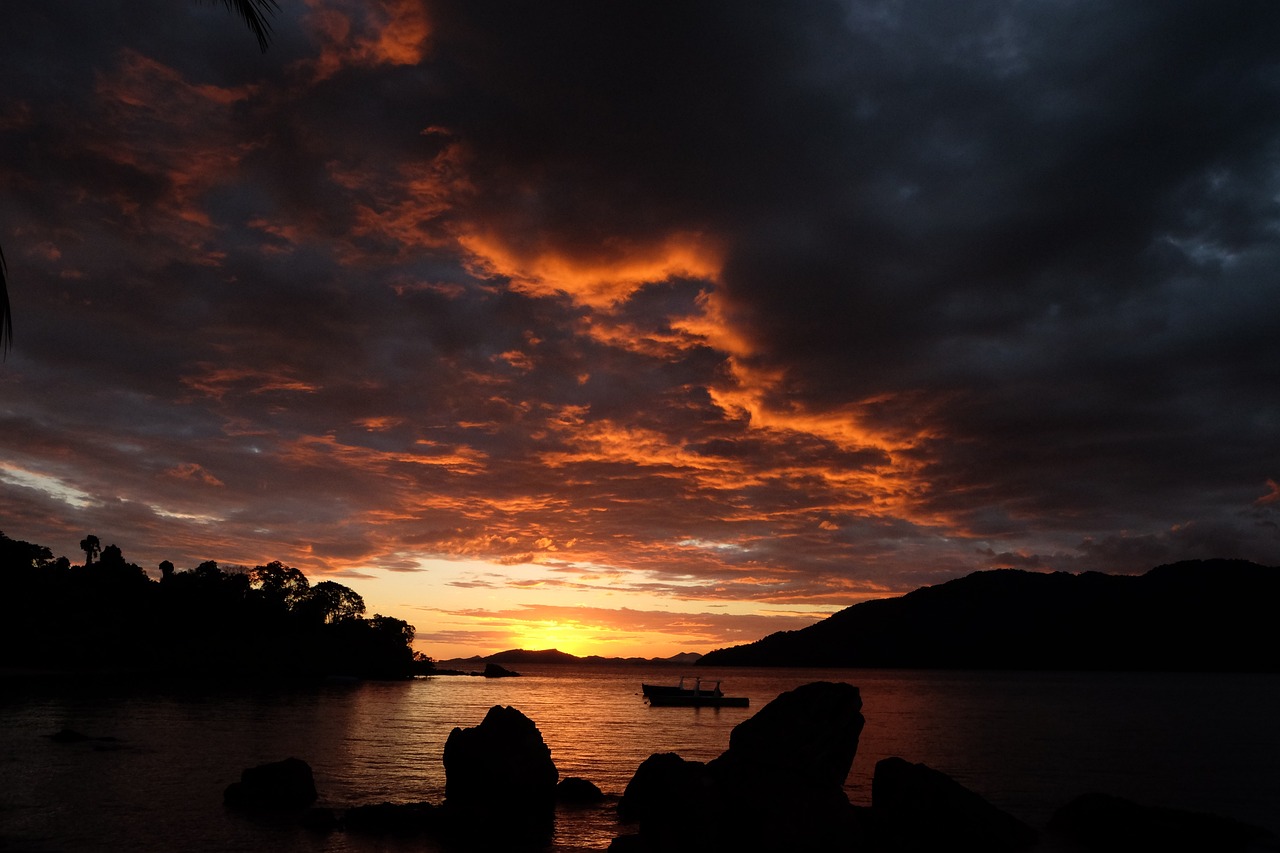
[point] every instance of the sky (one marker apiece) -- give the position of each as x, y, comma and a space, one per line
638, 328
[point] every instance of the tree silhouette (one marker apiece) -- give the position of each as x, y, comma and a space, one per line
26, 555
281, 586
330, 602
256, 14
91, 547
267, 622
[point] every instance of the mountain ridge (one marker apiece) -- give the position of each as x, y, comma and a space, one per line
1195, 615
555, 656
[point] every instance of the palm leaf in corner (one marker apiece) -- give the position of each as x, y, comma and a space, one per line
256, 14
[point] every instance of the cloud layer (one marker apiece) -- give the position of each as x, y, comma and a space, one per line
769, 308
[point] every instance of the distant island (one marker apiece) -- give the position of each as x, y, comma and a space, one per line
555, 656
1198, 615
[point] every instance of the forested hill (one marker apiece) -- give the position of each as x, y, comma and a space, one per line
108, 615
1201, 615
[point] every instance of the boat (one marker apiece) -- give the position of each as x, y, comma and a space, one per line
697, 696
665, 689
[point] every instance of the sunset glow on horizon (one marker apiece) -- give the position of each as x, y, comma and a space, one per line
634, 330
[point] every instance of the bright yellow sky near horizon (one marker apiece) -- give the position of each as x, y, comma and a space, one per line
467, 608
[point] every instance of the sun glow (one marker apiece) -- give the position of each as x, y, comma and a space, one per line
567, 636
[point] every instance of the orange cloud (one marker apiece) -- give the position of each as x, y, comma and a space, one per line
380, 424
193, 472
324, 450
217, 382
407, 210
1271, 497
366, 34
601, 279
152, 120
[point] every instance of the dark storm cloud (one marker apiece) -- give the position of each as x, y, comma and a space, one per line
955, 285
1054, 224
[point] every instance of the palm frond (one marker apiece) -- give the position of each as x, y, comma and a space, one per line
255, 14
6, 315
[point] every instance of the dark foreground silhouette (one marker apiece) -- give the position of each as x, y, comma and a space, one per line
268, 621
1201, 615
778, 787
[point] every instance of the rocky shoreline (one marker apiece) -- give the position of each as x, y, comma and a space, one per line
779, 786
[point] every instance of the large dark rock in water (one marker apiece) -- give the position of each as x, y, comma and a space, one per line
782, 777
672, 799
779, 785
280, 785
500, 781
807, 736
1105, 823
917, 808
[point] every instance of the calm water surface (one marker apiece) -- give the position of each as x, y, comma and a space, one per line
1026, 741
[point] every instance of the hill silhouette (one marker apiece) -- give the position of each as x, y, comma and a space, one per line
555, 656
1200, 615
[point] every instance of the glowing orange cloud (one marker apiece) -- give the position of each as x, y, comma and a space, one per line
380, 424
315, 450
749, 395
610, 275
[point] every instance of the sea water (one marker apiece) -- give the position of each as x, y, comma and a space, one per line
152, 779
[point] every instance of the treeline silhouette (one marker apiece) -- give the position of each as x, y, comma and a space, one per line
268, 621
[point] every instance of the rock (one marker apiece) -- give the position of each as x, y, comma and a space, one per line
321, 820
807, 736
1103, 822
917, 808
392, 819
280, 785
779, 785
782, 777
673, 800
578, 791
627, 844
492, 670
500, 781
